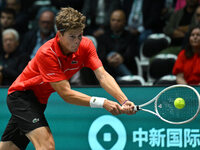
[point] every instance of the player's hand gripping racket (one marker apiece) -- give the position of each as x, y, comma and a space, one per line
165, 108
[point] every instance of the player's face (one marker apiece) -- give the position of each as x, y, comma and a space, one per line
70, 40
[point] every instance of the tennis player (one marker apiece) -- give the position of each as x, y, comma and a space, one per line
49, 71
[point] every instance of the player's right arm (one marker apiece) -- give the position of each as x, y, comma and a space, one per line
74, 97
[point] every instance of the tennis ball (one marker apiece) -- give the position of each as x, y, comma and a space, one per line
179, 103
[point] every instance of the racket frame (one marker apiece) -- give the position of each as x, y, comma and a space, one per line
155, 99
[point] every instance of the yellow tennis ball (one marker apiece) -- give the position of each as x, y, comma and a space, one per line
179, 103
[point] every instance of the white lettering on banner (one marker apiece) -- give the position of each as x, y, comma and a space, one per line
140, 136
156, 137
170, 137
174, 138
191, 137
185, 138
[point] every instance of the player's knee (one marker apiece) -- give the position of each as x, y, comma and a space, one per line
50, 145
47, 145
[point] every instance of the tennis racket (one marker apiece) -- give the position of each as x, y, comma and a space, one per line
164, 104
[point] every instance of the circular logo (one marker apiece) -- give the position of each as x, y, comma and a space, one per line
98, 124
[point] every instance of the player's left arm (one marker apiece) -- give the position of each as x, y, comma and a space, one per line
74, 97
110, 85
63, 88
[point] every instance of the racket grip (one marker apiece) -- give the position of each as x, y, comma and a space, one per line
136, 108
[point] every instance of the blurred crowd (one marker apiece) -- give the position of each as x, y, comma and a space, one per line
140, 42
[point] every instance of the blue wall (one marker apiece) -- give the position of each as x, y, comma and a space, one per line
82, 128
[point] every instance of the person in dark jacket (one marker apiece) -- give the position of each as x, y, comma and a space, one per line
117, 47
11, 63
43, 32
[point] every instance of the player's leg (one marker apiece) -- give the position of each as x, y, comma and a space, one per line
27, 119
13, 138
42, 138
8, 145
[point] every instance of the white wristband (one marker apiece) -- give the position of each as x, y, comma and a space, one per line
97, 102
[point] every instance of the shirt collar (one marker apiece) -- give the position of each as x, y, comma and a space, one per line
59, 51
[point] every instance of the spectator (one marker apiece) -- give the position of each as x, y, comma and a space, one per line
197, 17
117, 47
43, 32
187, 64
7, 20
11, 63
179, 22
195, 23
167, 11
178, 26
97, 13
145, 18
22, 17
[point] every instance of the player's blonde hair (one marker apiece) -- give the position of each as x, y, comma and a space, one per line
69, 18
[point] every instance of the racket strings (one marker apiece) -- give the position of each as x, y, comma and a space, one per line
166, 109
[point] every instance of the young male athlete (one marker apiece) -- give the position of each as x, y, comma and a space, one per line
54, 64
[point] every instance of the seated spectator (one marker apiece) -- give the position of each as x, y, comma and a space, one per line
7, 20
144, 18
22, 18
117, 47
43, 32
195, 23
168, 9
178, 26
196, 18
180, 21
97, 13
11, 63
187, 64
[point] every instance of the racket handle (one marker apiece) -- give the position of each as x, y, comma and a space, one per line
136, 108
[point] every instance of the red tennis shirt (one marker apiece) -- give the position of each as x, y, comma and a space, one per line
189, 67
50, 65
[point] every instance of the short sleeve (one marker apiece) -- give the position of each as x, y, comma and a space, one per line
49, 67
92, 61
179, 64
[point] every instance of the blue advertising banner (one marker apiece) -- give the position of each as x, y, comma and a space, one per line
83, 128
